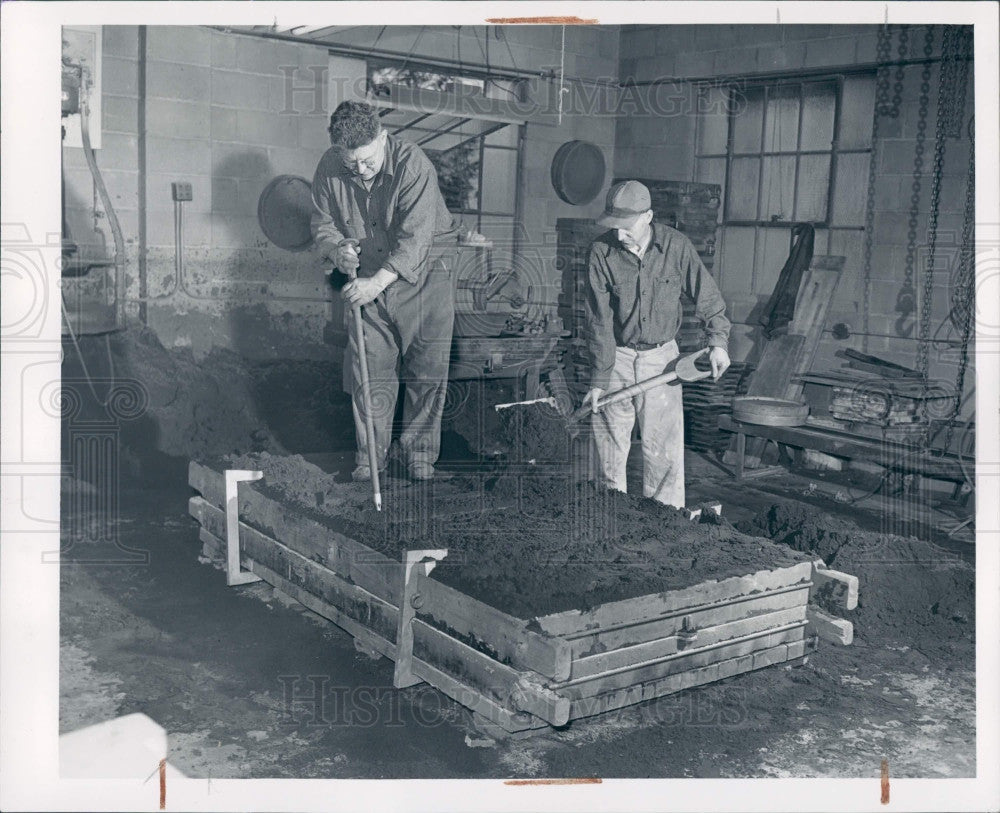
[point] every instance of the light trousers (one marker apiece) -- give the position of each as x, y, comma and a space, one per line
661, 424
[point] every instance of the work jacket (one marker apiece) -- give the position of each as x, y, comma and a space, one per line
395, 222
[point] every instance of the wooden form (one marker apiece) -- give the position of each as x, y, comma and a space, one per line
520, 675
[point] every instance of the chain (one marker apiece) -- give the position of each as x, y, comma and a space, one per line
955, 102
946, 88
906, 299
882, 49
897, 87
965, 294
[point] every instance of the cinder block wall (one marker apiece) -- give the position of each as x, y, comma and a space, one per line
659, 141
219, 112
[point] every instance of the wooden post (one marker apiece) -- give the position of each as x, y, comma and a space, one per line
741, 450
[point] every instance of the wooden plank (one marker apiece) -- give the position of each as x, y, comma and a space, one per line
603, 640
308, 600
671, 684
835, 630
655, 606
811, 307
679, 662
776, 366
706, 636
842, 444
509, 637
372, 570
841, 588
469, 696
258, 550
495, 681
509, 721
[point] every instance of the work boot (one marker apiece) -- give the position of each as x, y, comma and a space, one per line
425, 471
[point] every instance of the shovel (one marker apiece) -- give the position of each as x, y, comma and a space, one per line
685, 369
366, 394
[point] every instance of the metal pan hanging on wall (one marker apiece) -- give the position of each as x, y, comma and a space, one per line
578, 172
284, 211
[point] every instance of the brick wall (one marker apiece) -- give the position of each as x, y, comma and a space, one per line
660, 142
218, 115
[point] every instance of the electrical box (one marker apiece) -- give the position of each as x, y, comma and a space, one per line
182, 190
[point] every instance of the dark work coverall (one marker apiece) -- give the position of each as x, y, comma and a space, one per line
408, 326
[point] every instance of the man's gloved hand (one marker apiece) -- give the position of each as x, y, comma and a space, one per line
719, 359
362, 290
592, 397
346, 257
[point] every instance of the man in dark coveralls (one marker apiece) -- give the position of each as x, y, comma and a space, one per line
378, 209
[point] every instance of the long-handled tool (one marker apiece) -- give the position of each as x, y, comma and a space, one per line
366, 391
684, 370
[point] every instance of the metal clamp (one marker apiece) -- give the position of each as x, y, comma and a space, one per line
409, 604
234, 575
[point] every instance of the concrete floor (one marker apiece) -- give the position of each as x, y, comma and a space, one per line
249, 684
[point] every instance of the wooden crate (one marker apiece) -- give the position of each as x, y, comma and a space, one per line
519, 674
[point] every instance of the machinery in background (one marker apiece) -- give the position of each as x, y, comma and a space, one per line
92, 282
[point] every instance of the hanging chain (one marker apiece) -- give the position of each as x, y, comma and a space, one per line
955, 102
946, 88
906, 299
965, 283
897, 88
882, 50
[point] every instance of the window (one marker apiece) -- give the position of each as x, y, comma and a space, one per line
784, 153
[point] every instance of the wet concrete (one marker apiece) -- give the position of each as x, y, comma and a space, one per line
248, 684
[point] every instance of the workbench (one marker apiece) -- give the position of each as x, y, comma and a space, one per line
908, 457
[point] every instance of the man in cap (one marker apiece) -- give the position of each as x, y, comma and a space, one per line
637, 273
378, 209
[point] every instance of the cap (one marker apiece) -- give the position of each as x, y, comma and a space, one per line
626, 201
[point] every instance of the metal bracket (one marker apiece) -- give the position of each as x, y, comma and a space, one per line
234, 575
409, 604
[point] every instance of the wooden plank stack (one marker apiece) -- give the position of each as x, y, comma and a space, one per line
516, 674
706, 400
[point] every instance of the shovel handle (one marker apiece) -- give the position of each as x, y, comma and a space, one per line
644, 386
366, 391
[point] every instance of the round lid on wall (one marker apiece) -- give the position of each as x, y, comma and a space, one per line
578, 172
284, 212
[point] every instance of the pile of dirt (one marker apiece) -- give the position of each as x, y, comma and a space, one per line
470, 414
911, 592
527, 544
168, 406
172, 407
535, 433
304, 404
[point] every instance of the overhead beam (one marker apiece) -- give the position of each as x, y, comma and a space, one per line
443, 131
417, 100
